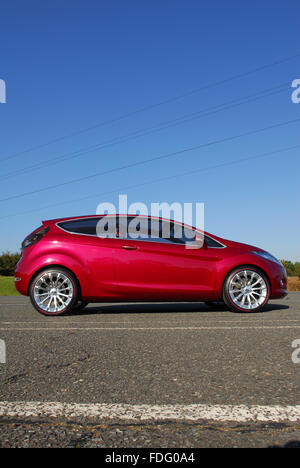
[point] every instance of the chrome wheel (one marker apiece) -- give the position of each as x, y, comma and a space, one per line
53, 292
248, 290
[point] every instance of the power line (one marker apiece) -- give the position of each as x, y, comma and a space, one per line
152, 106
156, 158
182, 174
150, 130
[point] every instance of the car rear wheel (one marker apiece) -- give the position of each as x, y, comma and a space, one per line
246, 289
54, 291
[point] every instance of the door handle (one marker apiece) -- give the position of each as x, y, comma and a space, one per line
129, 247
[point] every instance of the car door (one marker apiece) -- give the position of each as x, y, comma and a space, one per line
95, 254
162, 268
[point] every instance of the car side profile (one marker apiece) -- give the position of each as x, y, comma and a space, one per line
67, 263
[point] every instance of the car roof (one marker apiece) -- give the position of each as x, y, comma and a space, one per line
74, 218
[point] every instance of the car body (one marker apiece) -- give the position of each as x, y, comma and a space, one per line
125, 269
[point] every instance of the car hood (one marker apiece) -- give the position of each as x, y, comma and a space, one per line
242, 246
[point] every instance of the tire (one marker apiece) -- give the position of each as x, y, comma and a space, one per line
246, 289
54, 291
80, 305
217, 305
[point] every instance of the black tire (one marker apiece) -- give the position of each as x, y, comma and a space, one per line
265, 290
80, 305
216, 305
69, 281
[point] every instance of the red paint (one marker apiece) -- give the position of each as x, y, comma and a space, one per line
112, 270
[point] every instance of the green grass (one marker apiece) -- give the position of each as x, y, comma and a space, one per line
7, 286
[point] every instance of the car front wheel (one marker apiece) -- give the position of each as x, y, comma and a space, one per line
54, 291
80, 305
246, 289
216, 305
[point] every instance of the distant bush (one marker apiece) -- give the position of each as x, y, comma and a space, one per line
292, 269
8, 263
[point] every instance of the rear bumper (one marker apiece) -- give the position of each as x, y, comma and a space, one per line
22, 279
21, 286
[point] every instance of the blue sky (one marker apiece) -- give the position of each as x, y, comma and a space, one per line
71, 65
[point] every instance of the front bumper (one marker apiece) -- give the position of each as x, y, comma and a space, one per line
278, 282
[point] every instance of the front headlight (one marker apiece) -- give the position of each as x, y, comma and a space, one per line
267, 255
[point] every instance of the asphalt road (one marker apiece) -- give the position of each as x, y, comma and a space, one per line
149, 354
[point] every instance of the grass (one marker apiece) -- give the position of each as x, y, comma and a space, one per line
293, 283
7, 286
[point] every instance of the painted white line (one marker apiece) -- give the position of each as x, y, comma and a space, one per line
148, 413
90, 322
149, 328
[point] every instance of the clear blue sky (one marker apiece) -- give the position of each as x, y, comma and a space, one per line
73, 64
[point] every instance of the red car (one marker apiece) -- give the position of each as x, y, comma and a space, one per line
65, 264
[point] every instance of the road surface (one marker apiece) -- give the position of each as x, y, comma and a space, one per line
150, 375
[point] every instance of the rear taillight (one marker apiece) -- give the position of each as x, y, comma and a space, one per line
34, 238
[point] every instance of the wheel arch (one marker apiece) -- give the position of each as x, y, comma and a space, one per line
247, 265
54, 265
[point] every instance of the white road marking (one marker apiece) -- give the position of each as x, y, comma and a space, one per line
150, 413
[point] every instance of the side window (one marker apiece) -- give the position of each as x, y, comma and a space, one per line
135, 228
138, 228
104, 226
107, 226
182, 234
212, 243
145, 229
156, 230
123, 227
81, 226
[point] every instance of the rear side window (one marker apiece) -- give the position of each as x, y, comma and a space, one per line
106, 226
81, 226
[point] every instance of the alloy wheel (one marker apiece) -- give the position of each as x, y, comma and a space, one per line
53, 292
248, 289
